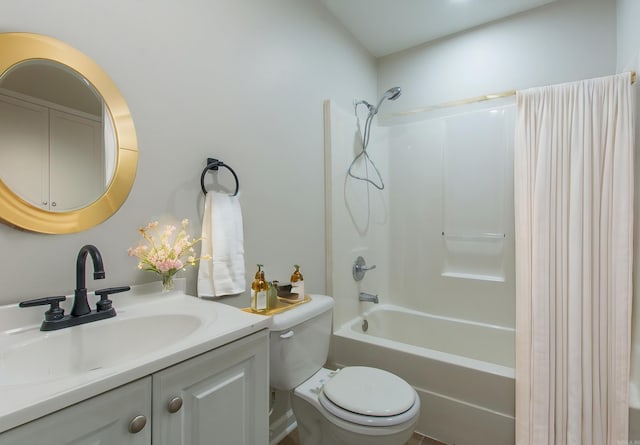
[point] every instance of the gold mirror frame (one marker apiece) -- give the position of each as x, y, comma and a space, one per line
20, 47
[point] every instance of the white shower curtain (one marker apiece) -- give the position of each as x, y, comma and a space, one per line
574, 219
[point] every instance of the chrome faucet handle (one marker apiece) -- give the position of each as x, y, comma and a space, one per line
360, 268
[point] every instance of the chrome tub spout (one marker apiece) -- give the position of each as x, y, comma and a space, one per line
364, 296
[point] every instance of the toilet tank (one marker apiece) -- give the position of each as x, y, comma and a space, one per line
299, 342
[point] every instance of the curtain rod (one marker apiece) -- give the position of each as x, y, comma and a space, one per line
472, 100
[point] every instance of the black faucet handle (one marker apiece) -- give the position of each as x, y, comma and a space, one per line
112, 290
55, 312
105, 304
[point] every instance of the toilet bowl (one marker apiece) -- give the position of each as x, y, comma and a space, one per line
352, 406
377, 417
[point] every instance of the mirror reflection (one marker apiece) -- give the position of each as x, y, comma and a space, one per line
57, 141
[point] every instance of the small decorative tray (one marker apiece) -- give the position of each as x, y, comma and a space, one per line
284, 304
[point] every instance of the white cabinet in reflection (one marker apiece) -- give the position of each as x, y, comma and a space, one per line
76, 175
52, 158
24, 148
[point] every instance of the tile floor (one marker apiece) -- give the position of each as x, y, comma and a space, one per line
417, 439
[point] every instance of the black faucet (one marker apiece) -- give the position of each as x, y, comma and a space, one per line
81, 313
80, 303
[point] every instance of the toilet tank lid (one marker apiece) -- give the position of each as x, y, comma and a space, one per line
319, 304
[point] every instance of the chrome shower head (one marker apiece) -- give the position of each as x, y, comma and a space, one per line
391, 94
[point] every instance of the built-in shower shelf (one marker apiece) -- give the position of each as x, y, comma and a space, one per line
474, 236
472, 276
473, 255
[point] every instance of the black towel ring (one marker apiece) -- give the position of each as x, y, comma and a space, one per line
214, 164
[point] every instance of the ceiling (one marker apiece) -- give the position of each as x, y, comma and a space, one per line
388, 26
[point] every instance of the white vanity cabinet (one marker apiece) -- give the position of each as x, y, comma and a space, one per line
219, 397
101, 420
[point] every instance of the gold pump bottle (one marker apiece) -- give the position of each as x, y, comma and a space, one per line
297, 282
259, 292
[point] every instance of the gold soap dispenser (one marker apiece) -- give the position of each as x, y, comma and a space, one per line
297, 282
259, 292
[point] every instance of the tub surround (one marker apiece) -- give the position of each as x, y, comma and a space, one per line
31, 395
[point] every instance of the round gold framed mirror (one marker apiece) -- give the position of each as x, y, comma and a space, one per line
67, 140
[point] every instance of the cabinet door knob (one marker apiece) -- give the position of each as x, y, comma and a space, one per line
137, 424
174, 405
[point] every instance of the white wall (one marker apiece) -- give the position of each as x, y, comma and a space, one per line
564, 41
240, 80
628, 38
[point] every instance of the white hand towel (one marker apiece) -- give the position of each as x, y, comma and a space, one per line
223, 240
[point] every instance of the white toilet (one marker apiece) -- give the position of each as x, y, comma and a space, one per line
352, 406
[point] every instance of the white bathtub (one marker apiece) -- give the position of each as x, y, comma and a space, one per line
463, 371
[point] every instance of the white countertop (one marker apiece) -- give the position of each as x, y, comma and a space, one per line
23, 401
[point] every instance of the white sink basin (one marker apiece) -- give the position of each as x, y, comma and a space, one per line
90, 347
42, 372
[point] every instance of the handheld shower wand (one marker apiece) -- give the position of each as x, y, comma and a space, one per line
391, 94
365, 103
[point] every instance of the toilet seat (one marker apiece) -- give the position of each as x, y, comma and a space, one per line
369, 396
364, 420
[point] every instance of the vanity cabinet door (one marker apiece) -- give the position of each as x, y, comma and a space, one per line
102, 420
218, 398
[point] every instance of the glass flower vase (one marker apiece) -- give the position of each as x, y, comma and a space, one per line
167, 282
